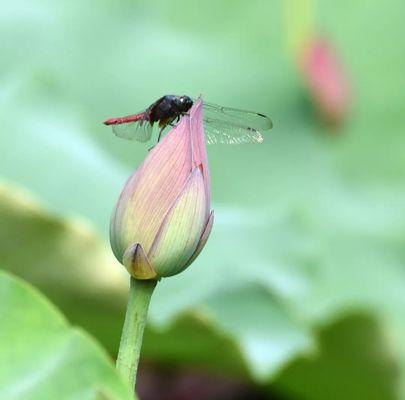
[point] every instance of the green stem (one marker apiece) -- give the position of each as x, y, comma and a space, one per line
140, 293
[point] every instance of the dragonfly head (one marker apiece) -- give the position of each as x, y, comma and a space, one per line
184, 103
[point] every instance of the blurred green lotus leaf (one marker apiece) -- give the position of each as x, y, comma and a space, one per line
43, 357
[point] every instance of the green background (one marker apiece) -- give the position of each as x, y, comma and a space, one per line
300, 288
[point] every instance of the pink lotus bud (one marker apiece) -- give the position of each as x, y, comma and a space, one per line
326, 80
162, 219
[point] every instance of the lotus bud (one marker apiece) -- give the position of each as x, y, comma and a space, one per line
326, 80
162, 219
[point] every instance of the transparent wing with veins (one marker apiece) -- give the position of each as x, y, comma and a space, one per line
140, 130
233, 126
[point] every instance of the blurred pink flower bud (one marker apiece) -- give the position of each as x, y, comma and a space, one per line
326, 80
162, 219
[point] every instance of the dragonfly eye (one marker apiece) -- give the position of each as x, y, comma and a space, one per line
185, 103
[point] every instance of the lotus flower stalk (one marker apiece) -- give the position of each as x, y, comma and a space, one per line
161, 222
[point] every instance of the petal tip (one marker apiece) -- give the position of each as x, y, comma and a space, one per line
137, 263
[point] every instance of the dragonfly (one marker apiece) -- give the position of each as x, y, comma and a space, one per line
223, 125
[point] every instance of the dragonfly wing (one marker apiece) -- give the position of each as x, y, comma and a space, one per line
237, 116
233, 126
217, 131
141, 131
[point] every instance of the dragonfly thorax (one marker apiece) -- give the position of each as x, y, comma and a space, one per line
169, 107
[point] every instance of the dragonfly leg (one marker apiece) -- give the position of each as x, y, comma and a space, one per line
168, 123
160, 133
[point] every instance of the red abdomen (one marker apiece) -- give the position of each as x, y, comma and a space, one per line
124, 120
